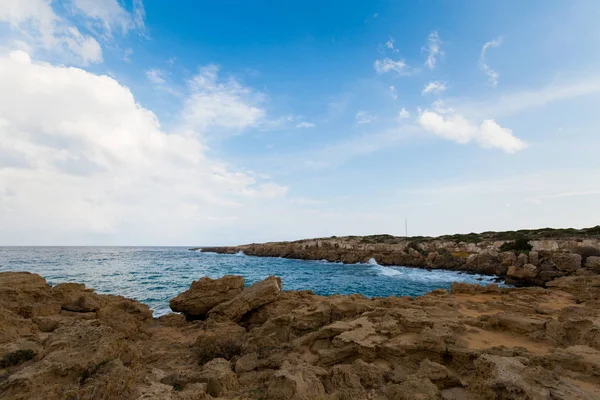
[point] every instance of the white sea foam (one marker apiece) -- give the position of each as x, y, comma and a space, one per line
372, 261
387, 271
240, 253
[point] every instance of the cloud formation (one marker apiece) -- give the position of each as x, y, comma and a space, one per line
388, 65
35, 25
87, 161
492, 75
453, 126
434, 87
224, 105
363, 117
434, 49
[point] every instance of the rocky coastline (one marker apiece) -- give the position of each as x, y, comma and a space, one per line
232, 341
521, 258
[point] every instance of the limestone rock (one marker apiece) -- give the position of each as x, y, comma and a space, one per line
296, 382
584, 288
413, 388
206, 293
527, 271
219, 377
251, 298
567, 262
75, 297
593, 263
438, 374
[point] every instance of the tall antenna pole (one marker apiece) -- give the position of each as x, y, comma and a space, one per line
406, 226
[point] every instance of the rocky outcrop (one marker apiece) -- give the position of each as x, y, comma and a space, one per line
546, 259
253, 297
473, 342
206, 293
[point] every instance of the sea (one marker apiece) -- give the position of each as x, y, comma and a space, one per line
154, 275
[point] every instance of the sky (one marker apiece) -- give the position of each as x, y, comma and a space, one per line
147, 122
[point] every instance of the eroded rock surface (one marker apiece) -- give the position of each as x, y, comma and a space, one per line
473, 342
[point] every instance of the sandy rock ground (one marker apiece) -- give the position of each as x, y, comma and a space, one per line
67, 342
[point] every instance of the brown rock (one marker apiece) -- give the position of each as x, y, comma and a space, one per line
593, 263
524, 272
219, 377
75, 297
567, 262
296, 382
413, 388
206, 293
254, 296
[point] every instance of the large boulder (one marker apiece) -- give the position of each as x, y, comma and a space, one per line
593, 263
567, 262
254, 296
527, 271
207, 293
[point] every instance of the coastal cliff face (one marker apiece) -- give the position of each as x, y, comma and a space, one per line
259, 342
522, 259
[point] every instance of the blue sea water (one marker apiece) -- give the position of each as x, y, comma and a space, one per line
154, 275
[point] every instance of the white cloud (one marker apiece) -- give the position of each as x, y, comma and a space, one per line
221, 105
108, 14
305, 124
88, 163
393, 92
455, 127
492, 75
363, 117
434, 49
156, 76
404, 114
34, 23
388, 65
389, 44
434, 87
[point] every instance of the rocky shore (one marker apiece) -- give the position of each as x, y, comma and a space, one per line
230, 341
521, 258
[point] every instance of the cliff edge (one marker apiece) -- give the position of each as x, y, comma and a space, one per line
522, 258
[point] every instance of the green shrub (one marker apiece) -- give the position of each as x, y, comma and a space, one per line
520, 244
16, 358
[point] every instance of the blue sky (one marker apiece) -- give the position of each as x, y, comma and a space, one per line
150, 122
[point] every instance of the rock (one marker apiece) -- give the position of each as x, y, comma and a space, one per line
584, 288
522, 259
567, 262
508, 378
124, 315
525, 272
508, 258
254, 296
296, 382
438, 375
593, 263
413, 388
219, 377
27, 295
205, 294
534, 258
75, 297
519, 323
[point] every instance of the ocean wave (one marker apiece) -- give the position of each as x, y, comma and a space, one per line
387, 271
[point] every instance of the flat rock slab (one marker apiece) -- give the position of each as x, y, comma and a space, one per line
254, 296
